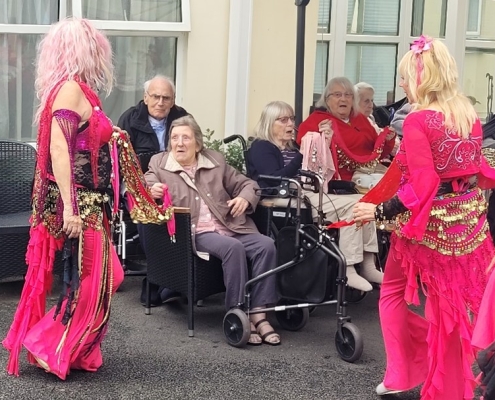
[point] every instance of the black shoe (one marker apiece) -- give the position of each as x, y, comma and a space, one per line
155, 297
168, 295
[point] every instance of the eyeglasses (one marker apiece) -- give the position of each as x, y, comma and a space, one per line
157, 97
339, 95
285, 120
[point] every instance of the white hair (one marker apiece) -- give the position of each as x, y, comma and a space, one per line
363, 86
347, 85
146, 85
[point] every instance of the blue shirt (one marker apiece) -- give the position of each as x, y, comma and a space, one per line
160, 127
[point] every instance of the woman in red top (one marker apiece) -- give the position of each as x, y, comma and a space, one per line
355, 143
441, 234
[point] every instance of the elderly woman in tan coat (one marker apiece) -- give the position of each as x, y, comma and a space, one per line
220, 199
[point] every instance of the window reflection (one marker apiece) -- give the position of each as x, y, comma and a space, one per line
373, 17
321, 69
480, 20
135, 10
324, 16
374, 64
136, 60
38, 12
17, 97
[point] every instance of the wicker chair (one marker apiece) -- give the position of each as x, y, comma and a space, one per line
17, 164
175, 266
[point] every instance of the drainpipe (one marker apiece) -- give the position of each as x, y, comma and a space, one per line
301, 27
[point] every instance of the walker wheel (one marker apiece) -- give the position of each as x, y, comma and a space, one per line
349, 342
236, 327
294, 319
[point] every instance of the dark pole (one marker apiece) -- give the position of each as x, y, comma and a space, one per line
301, 28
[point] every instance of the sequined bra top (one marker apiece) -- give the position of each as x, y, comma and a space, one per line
451, 155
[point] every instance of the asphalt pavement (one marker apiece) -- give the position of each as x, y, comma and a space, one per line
151, 357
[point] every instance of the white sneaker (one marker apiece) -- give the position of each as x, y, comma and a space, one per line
381, 390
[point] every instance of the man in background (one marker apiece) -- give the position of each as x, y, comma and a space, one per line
148, 124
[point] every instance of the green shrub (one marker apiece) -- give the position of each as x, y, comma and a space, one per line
233, 152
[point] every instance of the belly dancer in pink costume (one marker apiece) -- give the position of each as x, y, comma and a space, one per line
77, 161
441, 234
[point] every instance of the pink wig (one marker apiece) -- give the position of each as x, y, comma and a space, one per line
73, 49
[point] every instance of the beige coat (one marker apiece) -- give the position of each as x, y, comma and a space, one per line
215, 182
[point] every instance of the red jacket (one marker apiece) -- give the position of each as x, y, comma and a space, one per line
354, 143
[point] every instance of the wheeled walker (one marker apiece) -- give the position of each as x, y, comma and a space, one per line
312, 269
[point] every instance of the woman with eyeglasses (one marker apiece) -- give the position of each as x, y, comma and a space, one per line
273, 152
355, 144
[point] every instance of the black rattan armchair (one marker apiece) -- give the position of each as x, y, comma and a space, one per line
17, 165
175, 266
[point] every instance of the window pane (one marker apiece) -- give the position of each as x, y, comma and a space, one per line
17, 98
38, 12
480, 19
429, 18
324, 15
373, 17
478, 68
374, 64
137, 59
321, 69
135, 10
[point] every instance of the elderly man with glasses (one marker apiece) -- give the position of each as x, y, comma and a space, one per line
148, 124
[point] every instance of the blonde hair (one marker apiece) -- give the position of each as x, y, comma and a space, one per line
432, 78
269, 115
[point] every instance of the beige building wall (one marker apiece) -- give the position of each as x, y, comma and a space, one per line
273, 55
272, 62
475, 82
206, 63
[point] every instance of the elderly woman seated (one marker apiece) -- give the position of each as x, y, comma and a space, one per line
355, 140
273, 153
220, 199
365, 94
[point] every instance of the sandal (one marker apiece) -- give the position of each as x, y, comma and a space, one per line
254, 332
257, 325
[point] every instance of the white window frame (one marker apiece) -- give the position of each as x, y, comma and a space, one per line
456, 37
477, 32
184, 26
339, 38
178, 30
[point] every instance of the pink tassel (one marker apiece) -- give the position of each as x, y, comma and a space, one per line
116, 178
167, 202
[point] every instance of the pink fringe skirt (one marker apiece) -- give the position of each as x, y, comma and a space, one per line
454, 285
56, 347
